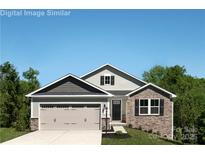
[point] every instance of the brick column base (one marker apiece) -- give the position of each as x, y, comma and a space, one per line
34, 124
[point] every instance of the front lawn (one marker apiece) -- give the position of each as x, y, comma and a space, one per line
10, 133
134, 137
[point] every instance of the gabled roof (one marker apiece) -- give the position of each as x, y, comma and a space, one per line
39, 92
114, 70
153, 85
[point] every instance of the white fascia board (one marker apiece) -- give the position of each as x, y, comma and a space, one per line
116, 69
172, 95
71, 96
92, 85
31, 94
47, 85
136, 90
94, 70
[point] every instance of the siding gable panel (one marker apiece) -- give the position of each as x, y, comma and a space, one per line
119, 83
70, 86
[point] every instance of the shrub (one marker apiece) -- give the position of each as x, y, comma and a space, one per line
22, 119
150, 131
130, 125
119, 132
158, 133
178, 134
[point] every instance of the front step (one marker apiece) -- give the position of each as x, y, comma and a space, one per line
119, 128
117, 123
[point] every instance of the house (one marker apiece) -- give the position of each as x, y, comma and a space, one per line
79, 103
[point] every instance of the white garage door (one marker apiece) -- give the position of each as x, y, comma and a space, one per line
69, 117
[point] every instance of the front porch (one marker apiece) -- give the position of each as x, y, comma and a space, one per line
116, 113
117, 123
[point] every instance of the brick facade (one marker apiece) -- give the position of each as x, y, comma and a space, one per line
158, 124
34, 124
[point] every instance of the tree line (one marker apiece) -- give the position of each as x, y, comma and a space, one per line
14, 106
189, 105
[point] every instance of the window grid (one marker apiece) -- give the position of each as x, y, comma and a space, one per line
149, 106
107, 79
144, 106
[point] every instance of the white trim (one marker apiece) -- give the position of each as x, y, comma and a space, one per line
159, 105
108, 110
108, 75
151, 84
100, 103
140, 105
114, 68
149, 106
70, 96
31, 108
39, 117
31, 94
172, 137
115, 99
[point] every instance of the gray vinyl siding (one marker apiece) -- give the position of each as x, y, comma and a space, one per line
70, 86
36, 101
35, 110
79, 99
120, 92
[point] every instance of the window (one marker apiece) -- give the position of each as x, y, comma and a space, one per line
154, 106
107, 79
144, 106
149, 107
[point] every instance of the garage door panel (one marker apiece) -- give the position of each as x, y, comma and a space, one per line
68, 118
62, 118
47, 120
92, 121
76, 118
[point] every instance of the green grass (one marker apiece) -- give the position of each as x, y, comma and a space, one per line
135, 137
10, 133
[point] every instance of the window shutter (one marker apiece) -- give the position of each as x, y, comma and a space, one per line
161, 107
112, 80
101, 80
137, 107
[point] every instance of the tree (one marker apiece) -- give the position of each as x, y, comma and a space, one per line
22, 119
166, 77
14, 106
189, 105
155, 74
31, 78
30, 83
201, 134
9, 88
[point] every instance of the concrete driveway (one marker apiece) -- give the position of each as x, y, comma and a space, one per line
59, 137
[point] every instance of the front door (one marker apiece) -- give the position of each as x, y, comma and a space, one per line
116, 109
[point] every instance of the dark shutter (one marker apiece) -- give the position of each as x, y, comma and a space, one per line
101, 80
137, 107
112, 80
161, 107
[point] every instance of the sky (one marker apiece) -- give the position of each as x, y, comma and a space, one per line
132, 40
